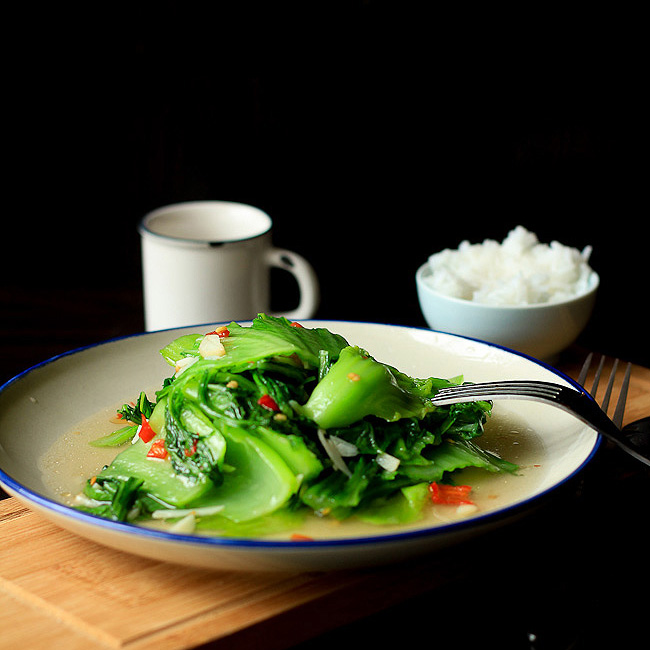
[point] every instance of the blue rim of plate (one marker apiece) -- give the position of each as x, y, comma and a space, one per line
273, 544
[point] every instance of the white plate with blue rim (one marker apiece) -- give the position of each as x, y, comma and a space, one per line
42, 408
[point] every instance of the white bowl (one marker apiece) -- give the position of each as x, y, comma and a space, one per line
541, 331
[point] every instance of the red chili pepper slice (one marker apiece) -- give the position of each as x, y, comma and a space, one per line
146, 432
221, 332
268, 403
450, 494
190, 452
157, 449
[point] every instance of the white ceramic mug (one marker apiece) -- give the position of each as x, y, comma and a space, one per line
210, 262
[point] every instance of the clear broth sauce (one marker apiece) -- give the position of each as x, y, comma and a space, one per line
71, 460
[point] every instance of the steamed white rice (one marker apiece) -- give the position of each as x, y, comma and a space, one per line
518, 271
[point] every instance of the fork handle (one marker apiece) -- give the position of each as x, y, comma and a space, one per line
585, 409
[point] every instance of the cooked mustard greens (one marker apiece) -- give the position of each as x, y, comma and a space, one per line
261, 425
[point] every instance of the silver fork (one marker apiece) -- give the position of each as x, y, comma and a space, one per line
577, 402
619, 411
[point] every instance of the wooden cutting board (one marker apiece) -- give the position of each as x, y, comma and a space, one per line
60, 590
56, 586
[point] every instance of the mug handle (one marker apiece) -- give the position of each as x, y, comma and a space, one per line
306, 277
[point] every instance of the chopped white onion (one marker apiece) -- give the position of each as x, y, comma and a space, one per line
333, 453
186, 525
82, 500
172, 513
137, 435
345, 448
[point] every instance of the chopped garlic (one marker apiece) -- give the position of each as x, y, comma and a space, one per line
388, 462
183, 364
466, 509
211, 347
186, 525
345, 448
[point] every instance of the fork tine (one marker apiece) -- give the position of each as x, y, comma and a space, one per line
622, 398
582, 377
531, 389
599, 370
584, 372
610, 384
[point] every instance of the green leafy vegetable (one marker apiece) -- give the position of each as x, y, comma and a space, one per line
116, 438
269, 337
287, 421
357, 386
115, 498
135, 411
156, 476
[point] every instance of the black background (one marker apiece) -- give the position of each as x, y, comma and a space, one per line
373, 133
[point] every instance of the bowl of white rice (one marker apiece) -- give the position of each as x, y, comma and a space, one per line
520, 293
